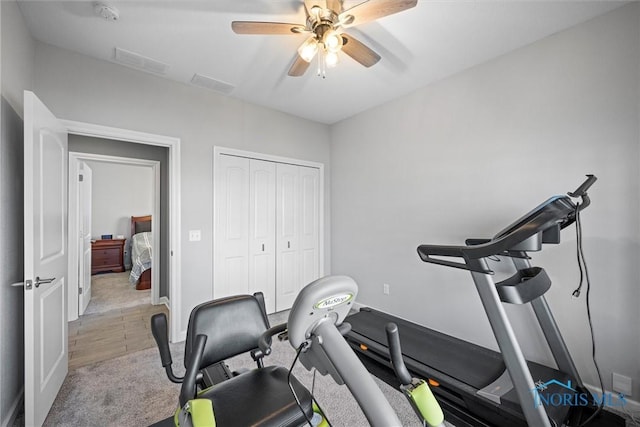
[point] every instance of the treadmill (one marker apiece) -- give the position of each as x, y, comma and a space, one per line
477, 386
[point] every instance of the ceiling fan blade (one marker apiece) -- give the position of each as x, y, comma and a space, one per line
299, 67
253, 27
374, 9
335, 5
359, 51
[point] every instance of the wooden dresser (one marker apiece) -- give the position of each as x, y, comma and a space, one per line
107, 255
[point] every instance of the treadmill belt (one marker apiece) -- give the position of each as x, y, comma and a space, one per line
469, 363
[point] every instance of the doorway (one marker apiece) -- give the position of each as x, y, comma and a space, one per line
173, 260
114, 203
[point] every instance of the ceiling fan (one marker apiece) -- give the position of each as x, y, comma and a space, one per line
325, 22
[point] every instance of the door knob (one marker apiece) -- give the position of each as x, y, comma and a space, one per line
40, 281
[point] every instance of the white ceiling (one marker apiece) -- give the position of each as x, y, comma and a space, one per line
418, 46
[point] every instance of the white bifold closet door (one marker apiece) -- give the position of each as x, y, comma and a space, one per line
262, 231
296, 230
267, 229
231, 261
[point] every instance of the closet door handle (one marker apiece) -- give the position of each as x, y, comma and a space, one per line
288, 244
263, 247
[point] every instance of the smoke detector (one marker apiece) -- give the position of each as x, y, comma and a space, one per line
107, 12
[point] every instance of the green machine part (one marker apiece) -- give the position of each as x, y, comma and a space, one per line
424, 402
196, 413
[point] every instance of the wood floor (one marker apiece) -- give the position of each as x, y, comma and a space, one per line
97, 337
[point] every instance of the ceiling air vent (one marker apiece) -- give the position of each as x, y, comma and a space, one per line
213, 84
140, 62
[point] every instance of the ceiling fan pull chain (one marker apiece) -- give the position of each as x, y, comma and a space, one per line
321, 67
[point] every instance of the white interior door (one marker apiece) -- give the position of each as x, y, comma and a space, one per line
45, 258
84, 235
287, 214
231, 265
262, 231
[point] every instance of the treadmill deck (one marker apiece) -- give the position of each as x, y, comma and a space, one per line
461, 368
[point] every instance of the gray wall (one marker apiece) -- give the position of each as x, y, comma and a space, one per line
11, 269
18, 56
76, 87
85, 144
17, 63
466, 156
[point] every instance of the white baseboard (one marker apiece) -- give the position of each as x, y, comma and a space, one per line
632, 406
14, 409
357, 306
165, 301
183, 334
181, 337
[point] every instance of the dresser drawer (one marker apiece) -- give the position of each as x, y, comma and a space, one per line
107, 255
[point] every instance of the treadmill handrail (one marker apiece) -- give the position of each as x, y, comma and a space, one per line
538, 222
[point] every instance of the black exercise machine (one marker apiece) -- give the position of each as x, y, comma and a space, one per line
219, 330
270, 396
477, 386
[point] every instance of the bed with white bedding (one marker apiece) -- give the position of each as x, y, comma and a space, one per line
141, 252
141, 245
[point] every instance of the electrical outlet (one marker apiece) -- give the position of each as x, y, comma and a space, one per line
194, 235
385, 288
622, 384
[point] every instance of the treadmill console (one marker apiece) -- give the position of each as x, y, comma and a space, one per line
559, 207
528, 233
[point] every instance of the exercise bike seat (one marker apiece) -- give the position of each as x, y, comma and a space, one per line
260, 397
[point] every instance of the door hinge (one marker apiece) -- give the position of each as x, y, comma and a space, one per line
80, 291
80, 177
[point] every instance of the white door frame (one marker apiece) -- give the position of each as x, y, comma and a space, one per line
83, 243
218, 151
173, 144
74, 160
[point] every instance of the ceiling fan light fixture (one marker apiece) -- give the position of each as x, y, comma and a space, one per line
325, 22
332, 41
315, 11
331, 59
308, 49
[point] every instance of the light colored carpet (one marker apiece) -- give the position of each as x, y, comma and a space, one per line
111, 291
133, 390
